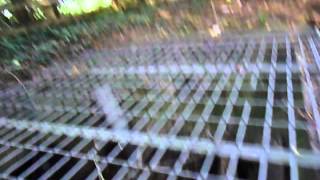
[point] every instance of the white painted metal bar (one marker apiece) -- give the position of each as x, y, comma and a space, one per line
243, 124
291, 115
270, 99
228, 109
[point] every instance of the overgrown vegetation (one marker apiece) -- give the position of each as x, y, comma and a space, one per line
39, 45
77, 7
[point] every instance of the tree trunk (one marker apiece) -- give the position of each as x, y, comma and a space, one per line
50, 9
22, 11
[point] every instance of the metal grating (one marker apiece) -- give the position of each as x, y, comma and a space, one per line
239, 108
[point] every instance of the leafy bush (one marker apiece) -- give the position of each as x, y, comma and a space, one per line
76, 7
262, 18
41, 44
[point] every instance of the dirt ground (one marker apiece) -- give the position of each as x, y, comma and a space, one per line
184, 20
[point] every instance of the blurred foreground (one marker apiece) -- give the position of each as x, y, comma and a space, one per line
159, 89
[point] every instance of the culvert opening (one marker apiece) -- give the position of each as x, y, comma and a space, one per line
231, 132
209, 130
258, 112
194, 162
278, 171
247, 169
126, 152
253, 134
110, 171
219, 166
87, 168
158, 176
218, 110
303, 141
280, 137
187, 129
107, 148
147, 155
308, 173
169, 158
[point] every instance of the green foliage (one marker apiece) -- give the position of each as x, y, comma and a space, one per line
48, 47
262, 18
3, 2
198, 4
139, 19
126, 4
38, 14
42, 44
76, 7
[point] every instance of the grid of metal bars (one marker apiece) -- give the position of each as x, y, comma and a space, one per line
242, 108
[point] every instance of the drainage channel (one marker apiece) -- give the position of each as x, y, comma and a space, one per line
192, 111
